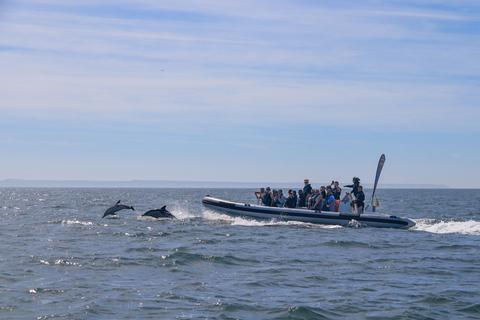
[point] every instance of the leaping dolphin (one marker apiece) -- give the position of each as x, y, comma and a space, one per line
116, 207
159, 213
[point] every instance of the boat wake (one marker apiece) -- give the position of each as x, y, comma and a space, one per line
242, 221
470, 227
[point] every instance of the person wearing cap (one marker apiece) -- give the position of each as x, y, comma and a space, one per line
307, 189
354, 186
291, 199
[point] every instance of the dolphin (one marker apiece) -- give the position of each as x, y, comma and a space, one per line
116, 207
159, 213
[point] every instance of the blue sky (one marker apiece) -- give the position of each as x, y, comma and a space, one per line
270, 91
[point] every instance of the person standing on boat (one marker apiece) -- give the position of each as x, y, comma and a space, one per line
336, 190
307, 189
354, 186
360, 199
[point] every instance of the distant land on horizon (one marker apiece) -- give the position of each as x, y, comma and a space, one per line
186, 184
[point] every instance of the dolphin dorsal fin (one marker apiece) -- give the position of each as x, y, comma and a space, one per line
118, 201
163, 208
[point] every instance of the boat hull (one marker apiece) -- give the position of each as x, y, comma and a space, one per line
377, 220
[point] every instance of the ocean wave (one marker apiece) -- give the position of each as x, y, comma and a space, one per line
474, 309
470, 227
73, 264
185, 259
346, 244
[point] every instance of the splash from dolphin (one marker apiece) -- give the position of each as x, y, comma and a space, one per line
111, 211
159, 213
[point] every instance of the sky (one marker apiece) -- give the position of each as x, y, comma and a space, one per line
246, 91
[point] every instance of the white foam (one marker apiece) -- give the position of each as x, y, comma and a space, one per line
181, 213
73, 222
177, 210
355, 224
242, 221
470, 227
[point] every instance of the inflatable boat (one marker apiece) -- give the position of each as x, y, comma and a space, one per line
345, 217
345, 213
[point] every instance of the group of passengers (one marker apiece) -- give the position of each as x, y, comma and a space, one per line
326, 198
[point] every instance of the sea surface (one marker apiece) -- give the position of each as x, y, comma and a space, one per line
61, 260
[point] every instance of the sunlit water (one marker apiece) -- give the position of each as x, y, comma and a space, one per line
60, 259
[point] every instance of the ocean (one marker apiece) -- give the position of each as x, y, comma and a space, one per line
61, 260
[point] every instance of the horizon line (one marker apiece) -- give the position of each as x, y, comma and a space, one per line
189, 184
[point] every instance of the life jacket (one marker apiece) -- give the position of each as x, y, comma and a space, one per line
331, 200
267, 200
336, 194
336, 206
319, 205
360, 197
290, 203
307, 189
280, 201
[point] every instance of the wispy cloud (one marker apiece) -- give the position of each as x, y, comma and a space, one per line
199, 66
